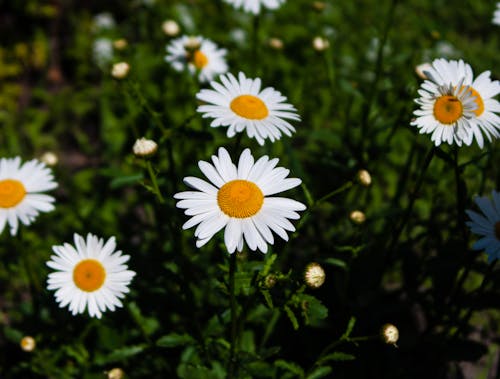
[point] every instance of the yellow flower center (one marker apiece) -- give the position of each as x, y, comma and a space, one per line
240, 198
448, 109
89, 275
12, 192
250, 107
199, 59
497, 230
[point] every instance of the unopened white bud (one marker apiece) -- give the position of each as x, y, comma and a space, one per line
144, 147
170, 28
116, 373
28, 344
120, 70
364, 178
389, 334
357, 217
120, 44
320, 43
49, 158
314, 275
276, 43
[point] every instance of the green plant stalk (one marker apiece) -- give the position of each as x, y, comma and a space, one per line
234, 321
154, 182
413, 197
378, 70
255, 44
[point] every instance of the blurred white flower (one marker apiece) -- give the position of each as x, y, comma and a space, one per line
255, 6
102, 51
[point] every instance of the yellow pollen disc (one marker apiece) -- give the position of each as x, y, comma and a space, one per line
12, 192
89, 275
249, 106
240, 198
199, 59
448, 109
497, 230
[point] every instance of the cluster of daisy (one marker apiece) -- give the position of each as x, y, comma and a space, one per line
90, 275
455, 107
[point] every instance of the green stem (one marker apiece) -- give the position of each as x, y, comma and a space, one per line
378, 69
154, 182
346, 186
234, 323
255, 44
413, 197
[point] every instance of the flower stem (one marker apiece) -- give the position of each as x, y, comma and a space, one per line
341, 189
156, 189
234, 324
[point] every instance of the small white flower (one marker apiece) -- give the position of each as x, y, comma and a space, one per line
20, 192
241, 105
496, 15
238, 199
314, 275
90, 274
487, 225
198, 55
254, 6
482, 89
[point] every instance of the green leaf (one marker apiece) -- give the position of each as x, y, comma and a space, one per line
350, 327
270, 259
312, 309
336, 262
290, 366
120, 354
122, 181
336, 356
174, 340
319, 372
292, 317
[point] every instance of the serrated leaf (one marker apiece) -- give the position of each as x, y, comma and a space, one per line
319, 372
174, 340
270, 259
268, 298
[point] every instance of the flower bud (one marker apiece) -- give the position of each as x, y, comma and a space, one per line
120, 44
192, 44
116, 373
357, 217
270, 281
144, 148
364, 178
49, 158
389, 334
170, 28
120, 70
319, 5
314, 275
28, 344
276, 43
320, 43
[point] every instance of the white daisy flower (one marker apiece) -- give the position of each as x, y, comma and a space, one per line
496, 15
198, 55
254, 6
487, 225
237, 199
89, 275
446, 111
20, 192
240, 104
482, 88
